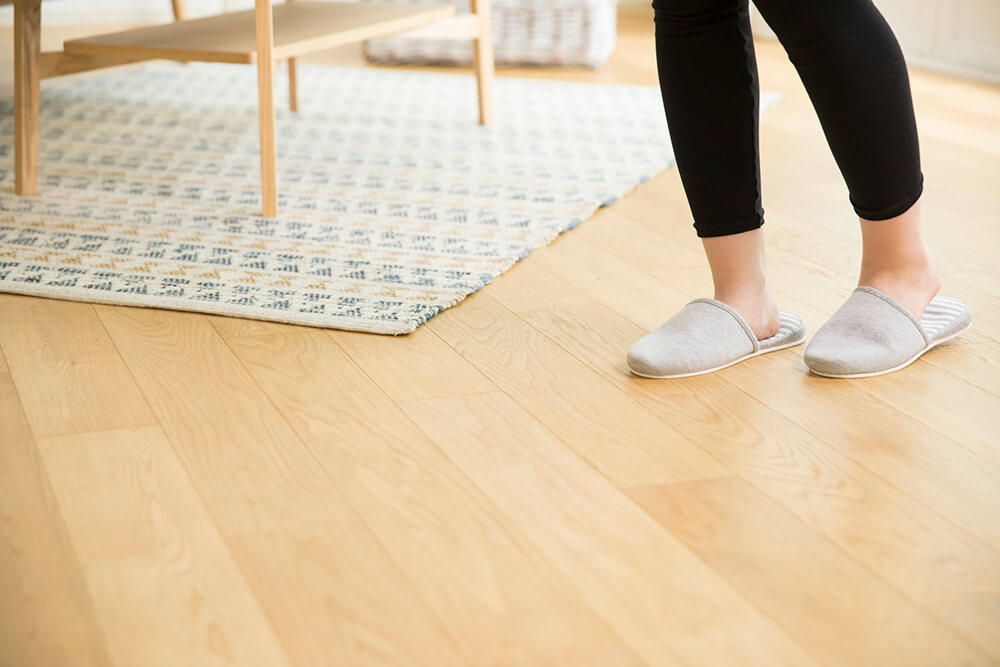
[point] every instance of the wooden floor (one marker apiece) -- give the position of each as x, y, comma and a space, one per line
495, 489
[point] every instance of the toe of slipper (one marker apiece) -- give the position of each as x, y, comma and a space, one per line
836, 354
649, 359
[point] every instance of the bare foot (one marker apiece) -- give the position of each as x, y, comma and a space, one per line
896, 261
758, 309
739, 274
913, 285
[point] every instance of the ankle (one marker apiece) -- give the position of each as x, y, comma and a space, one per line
912, 263
757, 307
895, 260
918, 270
912, 283
739, 273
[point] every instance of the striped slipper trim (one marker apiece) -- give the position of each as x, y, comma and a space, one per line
791, 328
943, 316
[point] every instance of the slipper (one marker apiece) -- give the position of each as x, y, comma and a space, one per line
872, 334
704, 336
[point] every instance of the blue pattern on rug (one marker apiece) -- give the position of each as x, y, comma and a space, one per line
394, 203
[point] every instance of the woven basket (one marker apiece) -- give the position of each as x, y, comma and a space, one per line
525, 32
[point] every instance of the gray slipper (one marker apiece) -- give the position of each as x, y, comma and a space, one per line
872, 334
704, 336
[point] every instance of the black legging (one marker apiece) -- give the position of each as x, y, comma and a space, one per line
855, 75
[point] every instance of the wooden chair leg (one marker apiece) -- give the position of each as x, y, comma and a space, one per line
483, 61
180, 13
27, 49
265, 94
180, 9
293, 86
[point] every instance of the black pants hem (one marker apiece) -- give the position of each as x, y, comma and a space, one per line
728, 228
888, 212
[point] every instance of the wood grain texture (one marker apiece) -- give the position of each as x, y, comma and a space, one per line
266, 491
179, 8
71, 378
57, 63
336, 598
264, 478
923, 463
528, 286
419, 365
928, 396
979, 365
463, 26
27, 49
482, 60
601, 275
300, 28
503, 601
293, 80
783, 568
616, 435
293, 84
661, 601
151, 552
264, 33
47, 616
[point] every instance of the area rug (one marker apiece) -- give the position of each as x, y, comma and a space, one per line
394, 203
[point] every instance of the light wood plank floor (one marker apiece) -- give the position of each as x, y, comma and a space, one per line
178, 489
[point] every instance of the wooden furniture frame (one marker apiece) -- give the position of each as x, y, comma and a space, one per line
259, 36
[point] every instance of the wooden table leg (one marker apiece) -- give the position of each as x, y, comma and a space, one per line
27, 47
265, 93
483, 61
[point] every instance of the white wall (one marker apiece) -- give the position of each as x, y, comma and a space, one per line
957, 36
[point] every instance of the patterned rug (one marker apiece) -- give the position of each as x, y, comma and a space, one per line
394, 203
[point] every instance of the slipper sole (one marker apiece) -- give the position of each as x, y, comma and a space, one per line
719, 368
